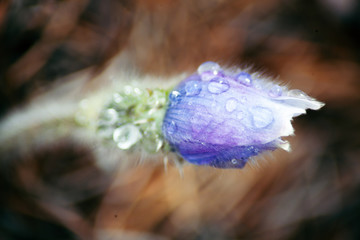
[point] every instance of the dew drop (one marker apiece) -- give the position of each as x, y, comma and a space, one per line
261, 117
275, 91
192, 88
207, 76
244, 78
218, 85
110, 116
210, 67
117, 98
126, 136
152, 142
231, 104
175, 97
297, 93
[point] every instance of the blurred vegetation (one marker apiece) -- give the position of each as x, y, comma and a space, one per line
55, 190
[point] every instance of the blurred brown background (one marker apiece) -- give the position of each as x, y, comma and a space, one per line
55, 190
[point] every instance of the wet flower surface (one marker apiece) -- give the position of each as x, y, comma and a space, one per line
221, 117
133, 118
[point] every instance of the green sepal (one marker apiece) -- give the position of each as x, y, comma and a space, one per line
133, 118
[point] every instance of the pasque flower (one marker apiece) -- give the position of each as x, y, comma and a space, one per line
222, 117
216, 117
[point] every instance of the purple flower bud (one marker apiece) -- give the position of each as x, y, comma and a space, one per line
222, 118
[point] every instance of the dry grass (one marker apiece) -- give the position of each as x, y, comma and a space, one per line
53, 187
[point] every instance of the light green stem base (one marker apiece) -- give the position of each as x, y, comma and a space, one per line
133, 118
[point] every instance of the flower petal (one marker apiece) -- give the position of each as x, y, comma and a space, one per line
222, 118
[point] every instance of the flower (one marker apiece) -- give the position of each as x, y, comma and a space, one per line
222, 117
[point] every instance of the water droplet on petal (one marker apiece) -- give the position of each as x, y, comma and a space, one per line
126, 136
244, 78
261, 117
275, 91
192, 88
231, 104
174, 97
210, 67
207, 76
171, 127
218, 85
234, 161
297, 93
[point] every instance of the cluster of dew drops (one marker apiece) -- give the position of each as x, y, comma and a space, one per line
134, 116
214, 83
217, 83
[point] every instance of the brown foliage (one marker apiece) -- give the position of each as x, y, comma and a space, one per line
54, 190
